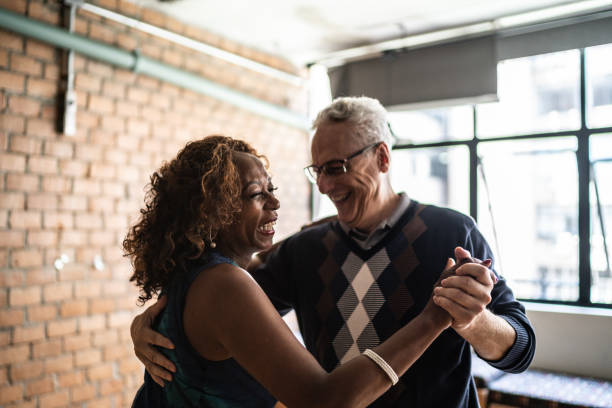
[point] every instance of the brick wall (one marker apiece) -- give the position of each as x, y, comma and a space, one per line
64, 333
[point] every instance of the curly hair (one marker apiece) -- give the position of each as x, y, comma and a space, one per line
186, 204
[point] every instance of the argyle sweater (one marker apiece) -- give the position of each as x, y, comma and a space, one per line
348, 299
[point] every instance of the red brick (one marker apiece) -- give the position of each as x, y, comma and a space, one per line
127, 109
73, 168
98, 306
25, 220
102, 171
42, 87
50, 348
39, 50
11, 278
113, 189
12, 123
21, 182
138, 95
74, 308
69, 380
42, 386
24, 105
12, 162
72, 237
3, 219
54, 400
101, 104
102, 238
12, 239
52, 72
90, 323
25, 144
83, 393
25, 296
127, 41
44, 12
3, 58
61, 327
26, 258
12, 200
87, 82
77, 342
88, 221
87, 358
100, 372
113, 89
55, 184
41, 127
129, 365
43, 164
88, 152
12, 81
111, 387
41, 201
10, 393
40, 276
42, 313
58, 220
73, 272
85, 119
26, 371
87, 187
57, 291
42, 238
19, 7
11, 317
14, 354
113, 123
10, 40
28, 334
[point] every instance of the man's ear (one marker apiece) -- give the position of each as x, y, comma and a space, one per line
383, 157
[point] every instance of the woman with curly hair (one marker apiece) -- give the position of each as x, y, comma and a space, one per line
207, 212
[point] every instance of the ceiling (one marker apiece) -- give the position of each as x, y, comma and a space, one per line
305, 31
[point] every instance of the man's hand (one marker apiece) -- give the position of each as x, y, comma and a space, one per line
465, 294
144, 338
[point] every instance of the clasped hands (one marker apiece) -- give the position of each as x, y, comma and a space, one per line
464, 289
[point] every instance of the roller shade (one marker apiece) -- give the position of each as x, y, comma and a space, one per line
459, 70
590, 30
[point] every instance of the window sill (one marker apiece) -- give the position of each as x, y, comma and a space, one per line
566, 309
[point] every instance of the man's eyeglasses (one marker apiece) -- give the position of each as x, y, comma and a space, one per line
334, 167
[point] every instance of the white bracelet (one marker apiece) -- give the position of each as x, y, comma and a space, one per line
383, 365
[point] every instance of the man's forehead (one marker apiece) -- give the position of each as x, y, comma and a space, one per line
333, 140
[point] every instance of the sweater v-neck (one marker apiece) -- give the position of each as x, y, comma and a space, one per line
367, 253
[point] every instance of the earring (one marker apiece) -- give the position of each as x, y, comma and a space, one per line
213, 244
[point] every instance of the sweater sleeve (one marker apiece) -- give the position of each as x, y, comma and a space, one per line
274, 277
503, 304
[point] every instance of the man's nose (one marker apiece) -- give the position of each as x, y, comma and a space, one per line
325, 183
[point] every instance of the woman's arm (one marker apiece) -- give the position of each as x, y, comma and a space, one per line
228, 315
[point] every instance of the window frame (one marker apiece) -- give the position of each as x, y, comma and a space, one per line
582, 135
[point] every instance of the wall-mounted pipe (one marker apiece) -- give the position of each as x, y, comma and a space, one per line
141, 64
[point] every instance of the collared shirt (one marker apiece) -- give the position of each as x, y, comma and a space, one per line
367, 241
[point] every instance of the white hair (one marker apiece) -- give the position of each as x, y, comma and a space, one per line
367, 115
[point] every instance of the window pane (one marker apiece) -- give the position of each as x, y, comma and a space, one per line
536, 94
601, 218
533, 194
437, 176
432, 125
599, 85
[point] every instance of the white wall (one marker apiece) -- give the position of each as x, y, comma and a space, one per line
572, 339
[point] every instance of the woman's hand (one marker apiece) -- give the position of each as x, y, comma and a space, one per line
144, 338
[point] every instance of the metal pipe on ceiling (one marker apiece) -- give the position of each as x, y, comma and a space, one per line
144, 65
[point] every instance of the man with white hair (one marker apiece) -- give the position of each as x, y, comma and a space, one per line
355, 280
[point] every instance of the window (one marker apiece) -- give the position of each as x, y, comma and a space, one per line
537, 148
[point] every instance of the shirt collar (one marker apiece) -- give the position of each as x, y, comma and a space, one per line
385, 224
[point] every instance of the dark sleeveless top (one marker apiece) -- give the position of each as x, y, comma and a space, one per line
198, 382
